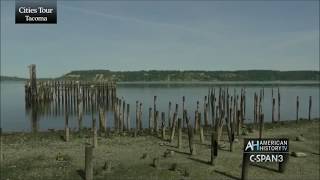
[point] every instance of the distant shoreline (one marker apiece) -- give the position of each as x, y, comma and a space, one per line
236, 83
223, 82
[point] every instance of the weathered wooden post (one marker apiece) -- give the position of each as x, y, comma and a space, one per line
177, 110
190, 135
238, 123
183, 115
197, 106
255, 110
67, 127
150, 118
245, 166
205, 111
33, 82
156, 122
199, 122
196, 114
94, 130
278, 105
297, 114
140, 117
173, 126
163, 126
88, 162
244, 104
310, 104
80, 115
169, 114
106, 125
123, 127
102, 126
212, 105
154, 113
179, 133
214, 147
273, 103
261, 125
92, 104
119, 115
137, 119
128, 117
201, 135
1, 155
231, 139
205, 115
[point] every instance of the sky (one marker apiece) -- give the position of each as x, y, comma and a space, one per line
163, 35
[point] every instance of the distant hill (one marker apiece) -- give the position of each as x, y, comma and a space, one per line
158, 75
11, 78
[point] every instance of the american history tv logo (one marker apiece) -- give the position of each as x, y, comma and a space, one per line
266, 150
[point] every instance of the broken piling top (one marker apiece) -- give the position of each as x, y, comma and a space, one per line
33, 79
32, 71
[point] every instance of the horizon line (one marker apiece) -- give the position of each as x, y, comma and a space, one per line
15, 76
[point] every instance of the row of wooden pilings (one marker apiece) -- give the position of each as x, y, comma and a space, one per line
221, 110
70, 92
221, 107
226, 111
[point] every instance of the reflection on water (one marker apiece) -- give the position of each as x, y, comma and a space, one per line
16, 116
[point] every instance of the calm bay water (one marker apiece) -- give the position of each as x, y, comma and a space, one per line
14, 116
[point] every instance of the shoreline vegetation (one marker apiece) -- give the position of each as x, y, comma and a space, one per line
45, 155
162, 76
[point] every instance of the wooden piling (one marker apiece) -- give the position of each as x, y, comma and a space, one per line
137, 119
190, 135
238, 123
199, 122
183, 115
205, 115
232, 127
261, 125
88, 162
310, 104
67, 127
297, 112
102, 126
169, 114
123, 127
156, 122
1, 154
279, 105
119, 116
150, 118
140, 117
128, 117
212, 104
154, 113
94, 130
214, 147
174, 119
245, 166
179, 133
163, 125
80, 115
273, 103
196, 119
201, 135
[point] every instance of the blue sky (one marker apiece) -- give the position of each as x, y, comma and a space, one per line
164, 35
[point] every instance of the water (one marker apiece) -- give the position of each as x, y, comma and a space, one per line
14, 116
